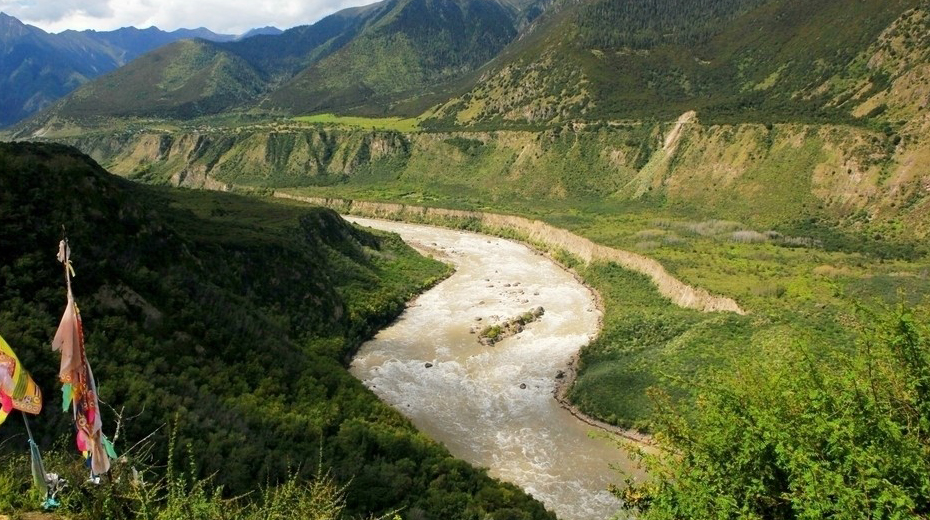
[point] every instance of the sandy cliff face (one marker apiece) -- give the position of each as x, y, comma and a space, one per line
758, 174
246, 156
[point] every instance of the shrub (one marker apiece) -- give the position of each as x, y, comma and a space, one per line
793, 438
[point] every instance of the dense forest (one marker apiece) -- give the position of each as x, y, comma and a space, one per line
650, 23
225, 320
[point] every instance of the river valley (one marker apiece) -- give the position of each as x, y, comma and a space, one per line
493, 405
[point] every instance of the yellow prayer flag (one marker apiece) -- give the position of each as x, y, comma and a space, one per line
17, 389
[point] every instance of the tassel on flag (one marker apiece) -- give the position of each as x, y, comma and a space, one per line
79, 389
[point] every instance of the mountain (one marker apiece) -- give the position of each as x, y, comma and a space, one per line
225, 320
733, 60
411, 44
279, 57
37, 68
268, 30
488, 63
821, 105
360, 56
192, 78
133, 42
182, 80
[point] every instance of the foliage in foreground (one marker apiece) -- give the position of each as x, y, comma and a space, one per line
133, 492
791, 438
233, 316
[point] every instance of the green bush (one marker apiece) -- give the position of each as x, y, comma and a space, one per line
790, 437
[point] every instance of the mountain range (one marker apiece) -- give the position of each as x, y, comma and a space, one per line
361, 58
658, 99
488, 63
37, 68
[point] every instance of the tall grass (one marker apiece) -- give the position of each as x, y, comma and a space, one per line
138, 489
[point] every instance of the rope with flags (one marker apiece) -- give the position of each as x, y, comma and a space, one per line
79, 391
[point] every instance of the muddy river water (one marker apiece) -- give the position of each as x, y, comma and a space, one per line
493, 405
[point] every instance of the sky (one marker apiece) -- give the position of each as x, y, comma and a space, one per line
221, 16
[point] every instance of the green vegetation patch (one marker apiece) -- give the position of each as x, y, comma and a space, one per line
398, 124
647, 342
232, 318
796, 435
500, 331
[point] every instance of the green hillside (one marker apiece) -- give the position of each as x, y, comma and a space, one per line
763, 61
38, 68
734, 61
411, 44
182, 80
359, 58
230, 317
853, 178
281, 56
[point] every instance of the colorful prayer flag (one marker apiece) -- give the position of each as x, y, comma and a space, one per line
78, 379
17, 389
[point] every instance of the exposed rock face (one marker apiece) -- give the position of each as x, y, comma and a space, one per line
846, 173
212, 158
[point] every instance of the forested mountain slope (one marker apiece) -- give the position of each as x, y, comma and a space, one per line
412, 44
281, 56
229, 317
734, 61
183, 80
196, 77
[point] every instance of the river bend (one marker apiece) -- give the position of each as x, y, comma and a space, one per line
492, 405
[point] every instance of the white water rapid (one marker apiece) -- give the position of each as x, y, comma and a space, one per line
493, 405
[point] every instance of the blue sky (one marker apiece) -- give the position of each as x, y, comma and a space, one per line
222, 16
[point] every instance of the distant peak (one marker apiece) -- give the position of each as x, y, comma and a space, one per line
13, 26
268, 30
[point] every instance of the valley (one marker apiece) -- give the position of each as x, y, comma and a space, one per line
735, 193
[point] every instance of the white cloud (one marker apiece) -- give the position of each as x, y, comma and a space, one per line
222, 16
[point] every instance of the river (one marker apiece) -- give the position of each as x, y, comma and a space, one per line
492, 405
